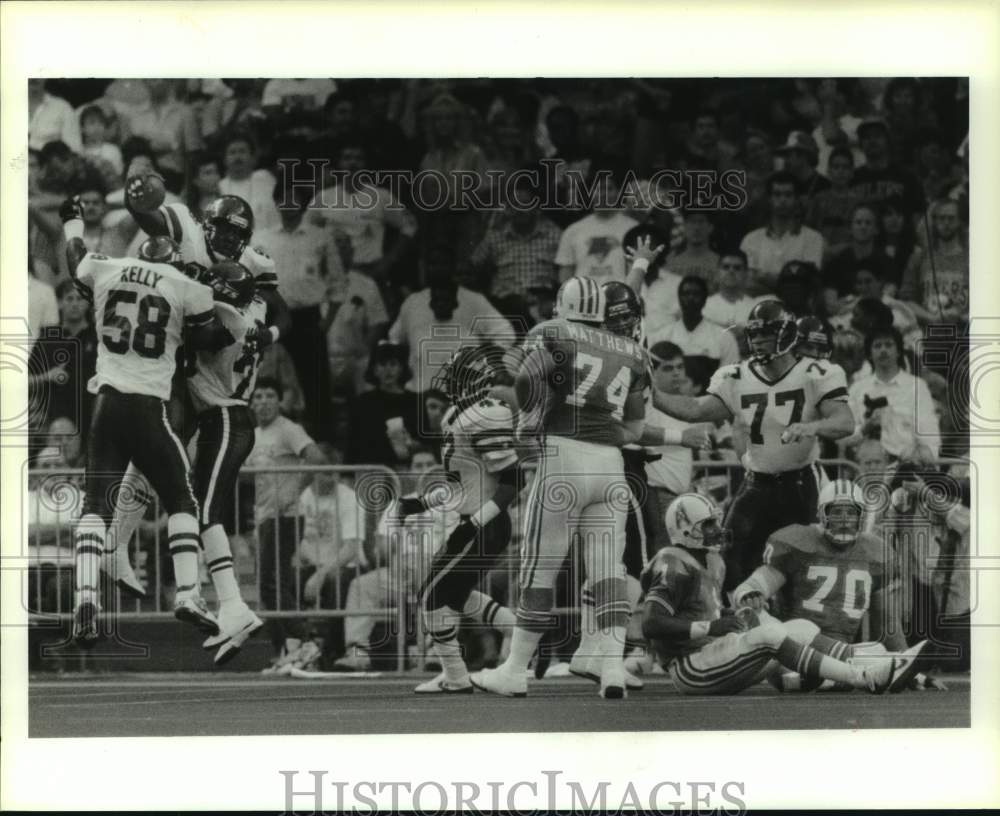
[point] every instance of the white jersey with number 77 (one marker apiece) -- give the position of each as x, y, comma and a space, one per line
765, 408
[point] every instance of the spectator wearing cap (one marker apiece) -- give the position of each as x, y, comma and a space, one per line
696, 257
243, 178
830, 210
518, 251
864, 250
891, 404
385, 426
783, 239
659, 286
435, 321
706, 345
50, 119
730, 305
801, 155
307, 275
379, 229
879, 178
592, 247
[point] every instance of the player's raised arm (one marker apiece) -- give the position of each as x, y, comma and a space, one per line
71, 214
640, 257
143, 199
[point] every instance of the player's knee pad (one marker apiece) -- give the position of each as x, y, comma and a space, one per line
801, 630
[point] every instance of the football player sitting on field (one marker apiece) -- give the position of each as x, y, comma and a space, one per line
830, 574
707, 651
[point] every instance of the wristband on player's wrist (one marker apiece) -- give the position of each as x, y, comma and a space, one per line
275, 333
642, 264
671, 436
699, 629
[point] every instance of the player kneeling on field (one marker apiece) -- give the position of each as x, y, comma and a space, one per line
707, 650
831, 574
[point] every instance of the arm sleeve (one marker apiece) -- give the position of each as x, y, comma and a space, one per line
86, 271
781, 554
721, 386
831, 382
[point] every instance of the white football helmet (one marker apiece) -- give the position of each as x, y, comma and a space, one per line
841, 509
693, 521
581, 300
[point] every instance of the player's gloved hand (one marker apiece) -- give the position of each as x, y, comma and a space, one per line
755, 600
409, 507
71, 209
258, 338
725, 625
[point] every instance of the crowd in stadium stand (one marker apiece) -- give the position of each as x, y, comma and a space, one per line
848, 199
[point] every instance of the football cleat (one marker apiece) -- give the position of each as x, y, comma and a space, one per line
193, 609
117, 567
905, 665
499, 681
85, 624
235, 629
585, 667
442, 685
613, 684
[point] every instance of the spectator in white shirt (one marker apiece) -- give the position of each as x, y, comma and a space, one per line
658, 286
307, 273
730, 306
170, 125
891, 404
379, 228
706, 346
671, 474
435, 321
105, 156
51, 119
593, 246
783, 239
256, 187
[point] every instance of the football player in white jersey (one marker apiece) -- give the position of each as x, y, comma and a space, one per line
482, 465
782, 403
145, 309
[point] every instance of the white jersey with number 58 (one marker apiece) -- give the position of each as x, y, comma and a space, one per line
763, 409
189, 234
227, 377
140, 310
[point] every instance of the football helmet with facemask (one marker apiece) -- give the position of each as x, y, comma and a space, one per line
694, 521
622, 310
470, 373
814, 338
231, 283
580, 300
228, 225
841, 510
770, 331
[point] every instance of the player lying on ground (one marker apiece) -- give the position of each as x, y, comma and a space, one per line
145, 307
708, 650
483, 470
831, 574
784, 403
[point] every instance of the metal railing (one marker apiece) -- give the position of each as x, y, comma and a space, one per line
403, 555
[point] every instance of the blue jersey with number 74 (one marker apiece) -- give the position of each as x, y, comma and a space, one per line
599, 381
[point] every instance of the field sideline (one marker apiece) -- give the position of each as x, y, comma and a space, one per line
159, 705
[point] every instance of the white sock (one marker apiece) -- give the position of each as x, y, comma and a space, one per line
590, 641
440, 625
130, 507
484, 609
523, 645
88, 542
185, 545
219, 559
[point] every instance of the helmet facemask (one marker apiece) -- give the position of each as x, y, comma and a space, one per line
226, 239
765, 339
841, 522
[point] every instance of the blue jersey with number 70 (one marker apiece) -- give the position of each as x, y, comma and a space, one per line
599, 381
765, 408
